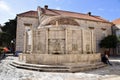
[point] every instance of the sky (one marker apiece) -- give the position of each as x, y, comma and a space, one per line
108, 9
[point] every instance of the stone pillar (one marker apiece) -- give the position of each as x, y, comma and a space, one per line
68, 40
47, 41
82, 40
25, 42
32, 36
92, 43
66, 50
56, 24
92, 46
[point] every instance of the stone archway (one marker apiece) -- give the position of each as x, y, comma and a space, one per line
60, 20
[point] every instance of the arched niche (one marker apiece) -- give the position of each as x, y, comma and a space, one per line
60, 20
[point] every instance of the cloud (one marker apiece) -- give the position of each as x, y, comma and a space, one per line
4, 7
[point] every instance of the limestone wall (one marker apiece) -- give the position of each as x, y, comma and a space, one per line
100, 30
62, 40
59, 59
23, 22
39, 41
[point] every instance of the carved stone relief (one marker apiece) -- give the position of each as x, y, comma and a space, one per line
56, 46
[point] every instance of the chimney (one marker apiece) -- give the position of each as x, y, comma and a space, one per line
46, 6
89, 13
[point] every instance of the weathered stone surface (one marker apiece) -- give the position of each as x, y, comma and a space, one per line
21, 28
62, 40
60, 59
98, 33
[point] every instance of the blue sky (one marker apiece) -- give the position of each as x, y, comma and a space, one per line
108, 9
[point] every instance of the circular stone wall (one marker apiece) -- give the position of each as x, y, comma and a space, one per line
59, 59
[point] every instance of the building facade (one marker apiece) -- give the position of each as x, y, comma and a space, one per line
56, 31
116, 31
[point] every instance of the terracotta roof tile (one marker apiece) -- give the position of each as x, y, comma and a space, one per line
117, 21
29, 14
74, 14
64, 13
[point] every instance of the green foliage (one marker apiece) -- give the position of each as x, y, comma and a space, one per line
9, 32
1, 49
119, 38
109, 42
5, 38
10, 28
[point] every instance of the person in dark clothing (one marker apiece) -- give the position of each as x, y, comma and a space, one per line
12, 48
105, 58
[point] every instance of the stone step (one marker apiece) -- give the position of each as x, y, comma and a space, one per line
23, 67
59, 68
48, 69
84, 67
41, 66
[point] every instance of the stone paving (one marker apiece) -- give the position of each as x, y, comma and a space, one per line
8, 72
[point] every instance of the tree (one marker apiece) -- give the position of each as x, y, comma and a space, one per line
9, 32
109, 42
5, 39
10, 28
